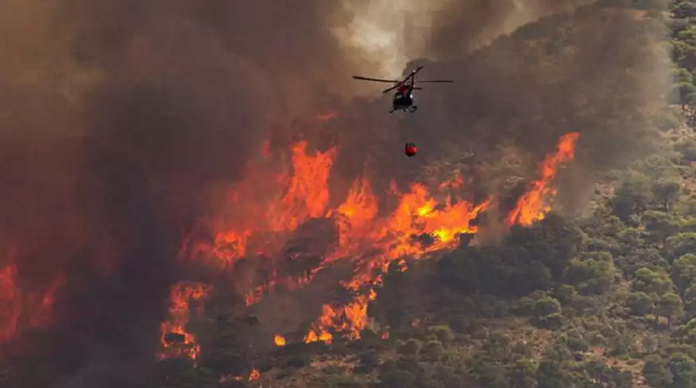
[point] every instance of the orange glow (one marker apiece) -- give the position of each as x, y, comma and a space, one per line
19, 309
534, 204
327, 116
184, 344
10, 303
254, 375
279, 340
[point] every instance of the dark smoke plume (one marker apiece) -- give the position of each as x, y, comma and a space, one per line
119, 122
122, 121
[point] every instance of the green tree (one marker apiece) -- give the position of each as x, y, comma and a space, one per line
547, 314
640, 303
683, 369
680, 245
591, 275
683, 90
669, 306
666, 191
410, 347
602, 375
652, 281
432, 351
550, 374
546, 305
522, 374
659, 225
683, 9
565, 293
690, 299
489, 373
632, 197
656, 372
684, 271
443, 333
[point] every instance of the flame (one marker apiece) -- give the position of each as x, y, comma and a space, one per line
308, 192
422, 222
253, 376
180, 297
19, 309
534, 204
348, 320
279, 340
254, 209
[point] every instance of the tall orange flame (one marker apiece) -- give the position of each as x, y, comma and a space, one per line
534, 204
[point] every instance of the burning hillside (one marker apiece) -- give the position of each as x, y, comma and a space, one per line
369, 241
140, 227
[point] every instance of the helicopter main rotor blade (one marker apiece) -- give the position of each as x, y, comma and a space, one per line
375, 79
414, 72
392, 88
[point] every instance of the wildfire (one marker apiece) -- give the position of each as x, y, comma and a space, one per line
419, 224
349, 320
175, 341
534, 205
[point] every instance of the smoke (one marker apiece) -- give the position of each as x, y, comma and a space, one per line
463, 26
597, 71
391, 34
122, 122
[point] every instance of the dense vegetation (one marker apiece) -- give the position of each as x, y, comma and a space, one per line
601, 300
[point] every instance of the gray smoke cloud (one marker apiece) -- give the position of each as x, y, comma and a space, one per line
121, 122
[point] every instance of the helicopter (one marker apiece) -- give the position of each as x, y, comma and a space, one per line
403, 98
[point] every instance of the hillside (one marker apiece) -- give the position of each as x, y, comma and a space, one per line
598, 300
551, 244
